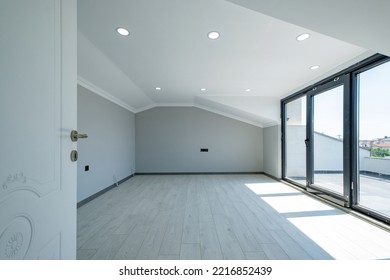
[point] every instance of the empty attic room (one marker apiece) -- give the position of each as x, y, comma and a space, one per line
195, 130
202, 83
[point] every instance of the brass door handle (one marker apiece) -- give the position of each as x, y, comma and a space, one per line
74, 135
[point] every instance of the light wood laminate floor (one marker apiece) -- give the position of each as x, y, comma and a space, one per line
220, 217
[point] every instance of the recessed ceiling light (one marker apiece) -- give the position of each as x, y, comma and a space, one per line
202, 89
314, 67
303, 37
248, 90
158, 88
123, 31
213, 35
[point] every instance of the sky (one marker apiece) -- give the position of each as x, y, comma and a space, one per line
328, 112
375, 102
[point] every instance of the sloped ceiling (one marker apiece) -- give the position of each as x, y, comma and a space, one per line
359, 22
168, 48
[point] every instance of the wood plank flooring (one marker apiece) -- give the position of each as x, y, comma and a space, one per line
162, 217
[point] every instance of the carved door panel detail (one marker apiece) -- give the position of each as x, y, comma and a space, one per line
37, 100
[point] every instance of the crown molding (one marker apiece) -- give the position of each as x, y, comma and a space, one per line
162, 105
97, 90
228, 115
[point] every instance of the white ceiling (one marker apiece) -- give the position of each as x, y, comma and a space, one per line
168, 48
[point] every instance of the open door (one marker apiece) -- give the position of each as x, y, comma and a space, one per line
37, 112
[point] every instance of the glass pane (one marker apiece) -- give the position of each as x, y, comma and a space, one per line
295, 124
328, 139
374, 139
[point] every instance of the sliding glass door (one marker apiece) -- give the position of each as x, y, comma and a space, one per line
316, 140
327, 139
295, 135
336, 138
374, 139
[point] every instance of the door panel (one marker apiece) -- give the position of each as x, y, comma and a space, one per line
295, 135
374, 140
37, 183
328, 139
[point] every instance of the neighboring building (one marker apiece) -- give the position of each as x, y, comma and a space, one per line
383, 143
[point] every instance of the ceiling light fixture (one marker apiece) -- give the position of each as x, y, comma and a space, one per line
123, 31
158, 88
314, 67
303, 37
248, 90
213, 35
202, 89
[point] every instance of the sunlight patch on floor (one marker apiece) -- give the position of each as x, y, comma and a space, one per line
285, 199
341, 235
270, 188
337, 235
301, 203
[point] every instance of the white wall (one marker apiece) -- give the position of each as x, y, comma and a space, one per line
376, 165
109, 148
169, 139
328, 152
295, 151
272, 151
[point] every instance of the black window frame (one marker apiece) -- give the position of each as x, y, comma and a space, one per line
355, 141
343, 199
283, 134
350, 79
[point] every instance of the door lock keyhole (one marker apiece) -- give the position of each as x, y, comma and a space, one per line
74, 155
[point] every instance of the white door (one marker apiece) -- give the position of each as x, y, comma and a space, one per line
38, 65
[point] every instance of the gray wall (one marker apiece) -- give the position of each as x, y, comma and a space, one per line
272, 151
109, 148
169, 139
